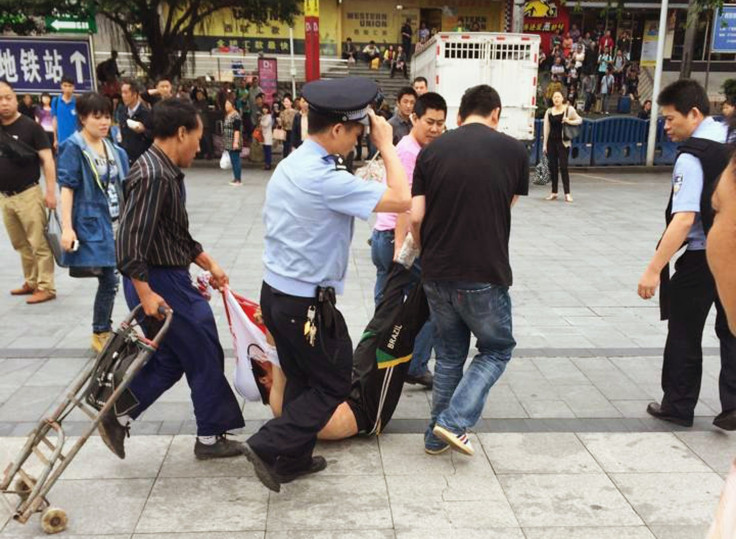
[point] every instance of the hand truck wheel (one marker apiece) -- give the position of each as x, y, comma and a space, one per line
23, 489
54, 520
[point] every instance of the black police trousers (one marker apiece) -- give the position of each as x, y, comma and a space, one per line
315, 385
692, 294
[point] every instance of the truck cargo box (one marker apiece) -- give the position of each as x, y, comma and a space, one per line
452, 62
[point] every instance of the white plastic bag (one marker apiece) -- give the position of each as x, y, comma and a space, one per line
225, 163
374, 170
250, 346
409, 252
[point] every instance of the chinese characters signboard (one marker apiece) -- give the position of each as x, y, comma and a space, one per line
546, 18
37, 65
268, 78
724, 30
366, 24
311, 40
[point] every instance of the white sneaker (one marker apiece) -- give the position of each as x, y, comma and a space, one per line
459, 443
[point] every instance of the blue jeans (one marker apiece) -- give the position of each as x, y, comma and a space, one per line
235, 160
287, 144
107, 289
267, 154
459, 309
382, 253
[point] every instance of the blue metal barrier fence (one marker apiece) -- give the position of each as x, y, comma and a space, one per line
619, 140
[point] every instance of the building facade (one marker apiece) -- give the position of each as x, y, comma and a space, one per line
361, 20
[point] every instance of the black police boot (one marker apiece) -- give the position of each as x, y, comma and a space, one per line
264, 472
317, 465
221, 449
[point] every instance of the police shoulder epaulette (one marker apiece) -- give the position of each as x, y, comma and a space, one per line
340, 163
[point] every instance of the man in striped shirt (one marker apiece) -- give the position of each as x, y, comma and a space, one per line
154, 251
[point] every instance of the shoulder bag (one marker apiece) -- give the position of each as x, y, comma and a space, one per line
570, 132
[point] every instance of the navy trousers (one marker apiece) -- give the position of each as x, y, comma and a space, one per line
192, 348
317, 381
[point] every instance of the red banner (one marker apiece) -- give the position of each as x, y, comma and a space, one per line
311, 39
268, 78
311, 48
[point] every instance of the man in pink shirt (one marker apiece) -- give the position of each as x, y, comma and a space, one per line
390, 230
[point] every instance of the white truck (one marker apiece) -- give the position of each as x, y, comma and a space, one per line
452, 62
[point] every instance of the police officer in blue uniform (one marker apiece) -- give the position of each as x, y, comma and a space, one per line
312, 200
687, 298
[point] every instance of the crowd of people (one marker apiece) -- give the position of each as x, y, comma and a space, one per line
590, 68
123, 211
395, 57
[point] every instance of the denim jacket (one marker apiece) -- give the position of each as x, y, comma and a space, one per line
90, 212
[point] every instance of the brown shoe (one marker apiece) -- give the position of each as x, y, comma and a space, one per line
24, 290
40, 296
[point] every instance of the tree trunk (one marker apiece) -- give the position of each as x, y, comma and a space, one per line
688, 48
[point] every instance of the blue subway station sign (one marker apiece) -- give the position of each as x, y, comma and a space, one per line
37, 65
724, 30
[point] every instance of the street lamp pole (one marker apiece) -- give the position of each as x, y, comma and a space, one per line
652, 139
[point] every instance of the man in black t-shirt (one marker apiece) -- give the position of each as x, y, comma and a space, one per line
23, 144
465, 184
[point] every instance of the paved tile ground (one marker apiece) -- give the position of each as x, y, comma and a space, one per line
530, 485
566, 449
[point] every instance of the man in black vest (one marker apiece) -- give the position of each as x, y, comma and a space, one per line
686, 299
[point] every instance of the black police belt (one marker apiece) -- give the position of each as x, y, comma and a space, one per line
329, 321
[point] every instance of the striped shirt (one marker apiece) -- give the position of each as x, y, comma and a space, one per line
154, 229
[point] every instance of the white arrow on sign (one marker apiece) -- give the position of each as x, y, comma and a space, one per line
78, 59
69, 25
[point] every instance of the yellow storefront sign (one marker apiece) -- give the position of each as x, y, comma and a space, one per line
225, 32
311, 8
381, 21
361, 20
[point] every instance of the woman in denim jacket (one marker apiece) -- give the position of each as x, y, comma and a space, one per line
91, 170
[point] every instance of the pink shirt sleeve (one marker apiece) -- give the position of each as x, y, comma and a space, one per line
408, 161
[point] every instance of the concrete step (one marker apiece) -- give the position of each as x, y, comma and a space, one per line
389, 86
646, 84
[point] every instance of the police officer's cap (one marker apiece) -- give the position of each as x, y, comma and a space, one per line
344, 99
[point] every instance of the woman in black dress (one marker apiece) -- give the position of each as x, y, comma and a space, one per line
556, 148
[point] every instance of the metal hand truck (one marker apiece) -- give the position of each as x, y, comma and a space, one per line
96, 392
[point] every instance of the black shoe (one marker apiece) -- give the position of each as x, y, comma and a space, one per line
221, 449
113, 434
726, 420
425, 380
318, 464
655, 409
264, 472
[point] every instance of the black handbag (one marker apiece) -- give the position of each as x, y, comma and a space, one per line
15, 149
570, 132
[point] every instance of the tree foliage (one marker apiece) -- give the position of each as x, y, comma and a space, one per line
158, 33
